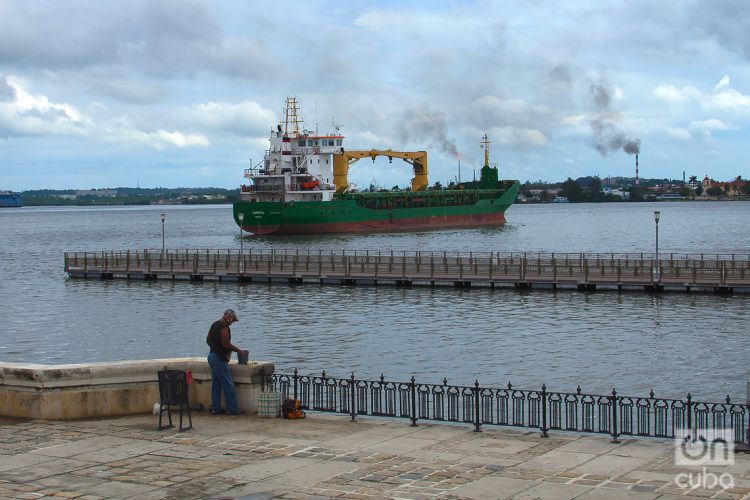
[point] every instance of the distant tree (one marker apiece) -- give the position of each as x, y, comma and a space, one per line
699, 189
714, 191
437, 186
746, 188
572, 191
693, 179
636, 193
595, 189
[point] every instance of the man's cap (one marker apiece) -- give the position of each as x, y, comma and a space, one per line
231, 313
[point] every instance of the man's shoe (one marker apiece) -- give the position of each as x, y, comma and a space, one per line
236, 412
217, 412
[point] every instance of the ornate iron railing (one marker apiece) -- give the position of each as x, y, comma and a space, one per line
541, 409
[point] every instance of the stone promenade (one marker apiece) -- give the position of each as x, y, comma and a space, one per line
327, 456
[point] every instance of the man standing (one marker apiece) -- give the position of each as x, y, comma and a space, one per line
220, 341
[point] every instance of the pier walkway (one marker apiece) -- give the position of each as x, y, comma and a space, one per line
326, 456
670, 272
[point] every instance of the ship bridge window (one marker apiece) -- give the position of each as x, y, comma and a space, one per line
302, 142
339, 142
330, 142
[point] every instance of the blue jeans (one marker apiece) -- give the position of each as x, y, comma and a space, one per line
221, 380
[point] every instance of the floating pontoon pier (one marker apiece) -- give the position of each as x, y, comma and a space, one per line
714, 273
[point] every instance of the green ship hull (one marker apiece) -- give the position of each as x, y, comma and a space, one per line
380, 212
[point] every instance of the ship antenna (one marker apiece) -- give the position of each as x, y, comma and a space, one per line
486, 146
291, 118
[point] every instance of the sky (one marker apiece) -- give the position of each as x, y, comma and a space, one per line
184, 93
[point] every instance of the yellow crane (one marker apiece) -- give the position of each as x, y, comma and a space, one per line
417, 159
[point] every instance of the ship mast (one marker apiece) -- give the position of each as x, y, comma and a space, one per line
486, 146
291, 119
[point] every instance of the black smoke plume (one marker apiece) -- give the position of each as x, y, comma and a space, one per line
605, 123
424, 125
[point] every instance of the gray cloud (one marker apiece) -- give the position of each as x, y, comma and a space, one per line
559, 80
728, 21
131, 91
519, 71
6, 91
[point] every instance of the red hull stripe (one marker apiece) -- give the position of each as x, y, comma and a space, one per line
412, 224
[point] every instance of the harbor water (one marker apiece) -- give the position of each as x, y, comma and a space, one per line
672, 343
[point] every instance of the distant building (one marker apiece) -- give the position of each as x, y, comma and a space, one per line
102, 193
731, 188
620, 193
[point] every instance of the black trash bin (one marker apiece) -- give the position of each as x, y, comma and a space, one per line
173, 391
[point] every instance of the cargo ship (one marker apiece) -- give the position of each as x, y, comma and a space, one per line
8, 199
301, 187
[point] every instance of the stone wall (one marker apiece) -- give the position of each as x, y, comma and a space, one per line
116, 388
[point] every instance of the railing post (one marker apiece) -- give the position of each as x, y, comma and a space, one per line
353, 410
615, 434
295, 383
477, 420
690, 415
413, 390
544, 411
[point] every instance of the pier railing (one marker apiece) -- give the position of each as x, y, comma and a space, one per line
542, 409
524, 269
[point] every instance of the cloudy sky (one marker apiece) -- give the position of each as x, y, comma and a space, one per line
184, 92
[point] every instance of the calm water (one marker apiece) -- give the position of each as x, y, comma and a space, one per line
672, 343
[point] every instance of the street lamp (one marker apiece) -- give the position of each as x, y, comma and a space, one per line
657, 214
241, 217
163, 216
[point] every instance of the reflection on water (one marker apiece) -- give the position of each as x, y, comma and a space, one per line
673, 343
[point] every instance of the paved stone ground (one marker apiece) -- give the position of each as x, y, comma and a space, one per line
327, 456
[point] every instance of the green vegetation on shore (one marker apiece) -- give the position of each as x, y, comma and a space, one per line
128, 196
582, 189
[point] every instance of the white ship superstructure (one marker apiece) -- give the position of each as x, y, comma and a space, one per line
298, 166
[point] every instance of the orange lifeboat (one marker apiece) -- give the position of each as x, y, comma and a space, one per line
309, 184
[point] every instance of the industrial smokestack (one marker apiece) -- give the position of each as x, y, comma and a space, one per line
636, 170
459, 170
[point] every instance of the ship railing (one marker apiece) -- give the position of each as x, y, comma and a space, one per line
409, 265
254, 188
723, 422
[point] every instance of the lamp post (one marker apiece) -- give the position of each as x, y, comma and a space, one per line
240, 218
163, 216
657, 214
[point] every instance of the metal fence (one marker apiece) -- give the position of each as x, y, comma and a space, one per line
610, 414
